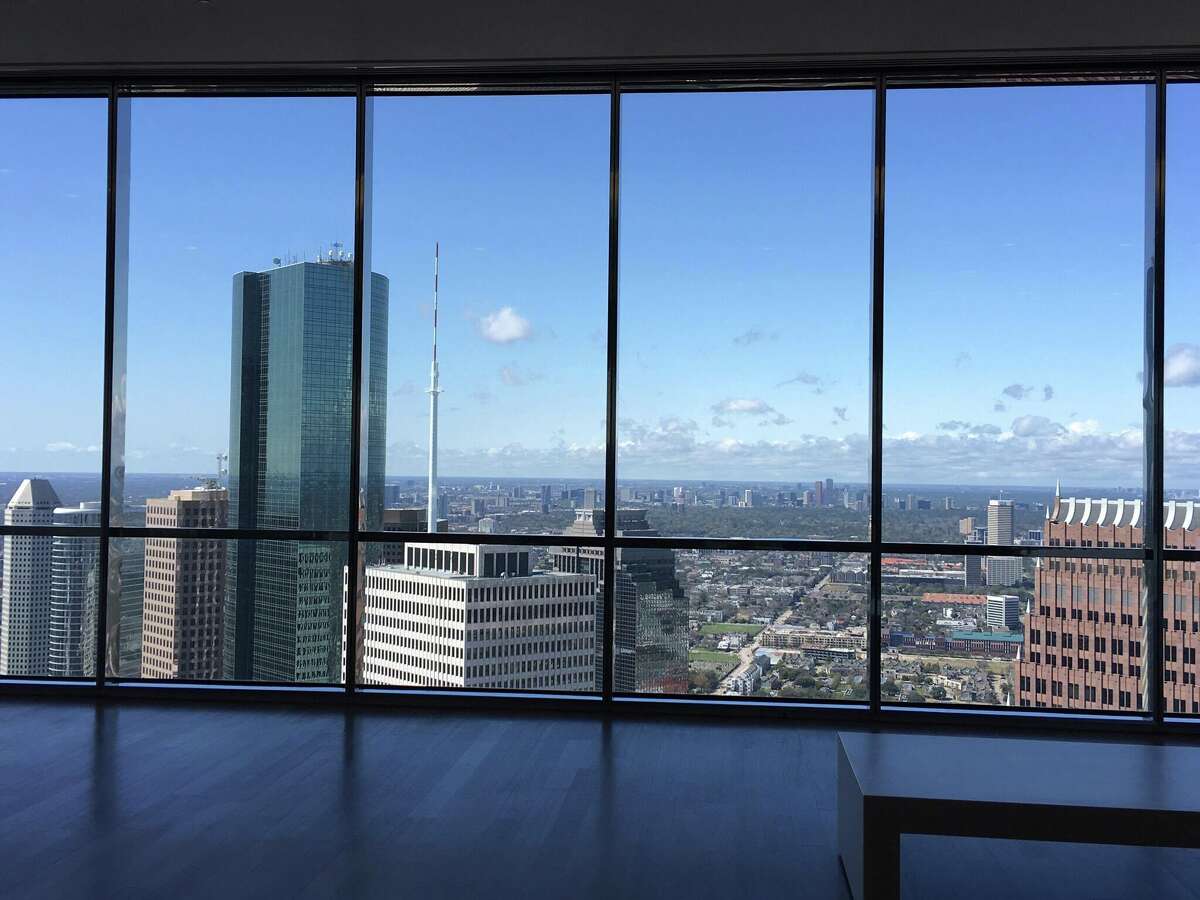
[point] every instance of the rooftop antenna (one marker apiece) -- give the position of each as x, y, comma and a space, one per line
432, 506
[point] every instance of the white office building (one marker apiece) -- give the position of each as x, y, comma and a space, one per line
25, 594
1003, 611
475, 616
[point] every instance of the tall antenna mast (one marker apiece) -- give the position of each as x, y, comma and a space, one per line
431, 514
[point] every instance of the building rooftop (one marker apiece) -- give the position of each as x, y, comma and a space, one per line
1008, 638
1177, 514
35, 492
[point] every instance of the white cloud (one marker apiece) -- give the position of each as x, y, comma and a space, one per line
1181, 366
681, 448
1035, 426
742, 407
726, 410
504, 326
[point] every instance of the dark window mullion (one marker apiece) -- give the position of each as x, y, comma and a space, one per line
875, 573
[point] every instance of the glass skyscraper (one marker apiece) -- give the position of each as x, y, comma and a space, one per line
650, 628
74, 569
289, 461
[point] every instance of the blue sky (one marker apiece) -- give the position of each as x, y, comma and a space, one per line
1013, 276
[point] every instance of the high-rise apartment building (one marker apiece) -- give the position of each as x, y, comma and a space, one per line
477, 616
74, 593
1085, 632
25, 588
289, 460
1002, 571
650, 627
182, 614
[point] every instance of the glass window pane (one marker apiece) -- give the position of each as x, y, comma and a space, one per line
1064, 634
49, 587
1014, 300
53, 177
1181, 371
745, 312
240, 306
180, 617
481, 617
511, 194
742, 623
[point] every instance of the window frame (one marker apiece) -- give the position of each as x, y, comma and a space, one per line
119, 88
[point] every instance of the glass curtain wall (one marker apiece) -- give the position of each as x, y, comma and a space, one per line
678, 327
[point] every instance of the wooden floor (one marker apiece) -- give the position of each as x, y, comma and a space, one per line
194, 801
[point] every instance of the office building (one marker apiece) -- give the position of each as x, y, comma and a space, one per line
1085, 631
1003, 611
182, 614
289, 449
819, 493
477, 616
1000, 522
974, 574
650, 630
25, 588
74, 592
1002, 571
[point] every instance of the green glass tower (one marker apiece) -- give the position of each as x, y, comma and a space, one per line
291, 418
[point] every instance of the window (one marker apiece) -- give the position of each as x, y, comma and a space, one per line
52, 245
745, 242
512, 194
240, 307
998, 247
728, 232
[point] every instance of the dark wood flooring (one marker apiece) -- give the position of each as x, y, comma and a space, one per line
143, 800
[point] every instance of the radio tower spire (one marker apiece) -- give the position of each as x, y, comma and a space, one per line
431, 514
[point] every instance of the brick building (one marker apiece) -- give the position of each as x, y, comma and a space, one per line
1084, 636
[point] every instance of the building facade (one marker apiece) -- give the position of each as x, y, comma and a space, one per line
25, 589
650, 627
454, 615
184, 592
1003, 611
1085, 631
1002, 571
74, 594
289, 461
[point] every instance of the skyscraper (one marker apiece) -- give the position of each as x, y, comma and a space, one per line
650, 629
25, 590
289, 460
182, 618
74, 593
454, 615
1002, 571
